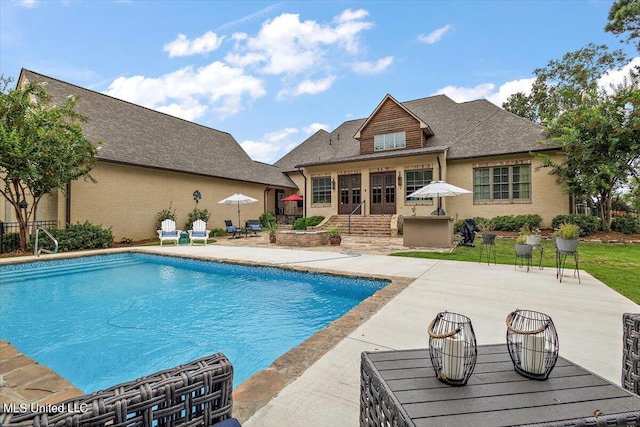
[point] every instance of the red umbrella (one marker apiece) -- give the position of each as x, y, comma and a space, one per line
292, 198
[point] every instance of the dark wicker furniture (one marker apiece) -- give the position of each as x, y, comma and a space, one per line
631, 352
398, 388
194, 394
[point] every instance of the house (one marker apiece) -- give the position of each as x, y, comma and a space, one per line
149, 161
369, 166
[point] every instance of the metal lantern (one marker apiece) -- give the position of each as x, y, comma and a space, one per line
452, 347
533, 343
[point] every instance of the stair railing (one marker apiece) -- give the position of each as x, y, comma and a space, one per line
36, 251
352, 212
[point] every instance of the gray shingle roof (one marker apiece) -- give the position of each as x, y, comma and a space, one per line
469, 129
136, 135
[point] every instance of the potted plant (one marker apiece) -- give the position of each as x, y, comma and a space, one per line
523, 250
533, 235
567, 237
271, 228
334, 235
486, 227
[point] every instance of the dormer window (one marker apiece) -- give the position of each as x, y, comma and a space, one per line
389, 141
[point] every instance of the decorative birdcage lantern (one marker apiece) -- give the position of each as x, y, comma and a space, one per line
533, 343
452, 347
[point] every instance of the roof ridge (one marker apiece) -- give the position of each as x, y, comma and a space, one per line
125, 101
477, 125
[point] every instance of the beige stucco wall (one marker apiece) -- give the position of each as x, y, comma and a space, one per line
548, 198
365, 169
128, 199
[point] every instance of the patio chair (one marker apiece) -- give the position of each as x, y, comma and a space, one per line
168, 232
198, 393
199, 232
254, 226
231, 228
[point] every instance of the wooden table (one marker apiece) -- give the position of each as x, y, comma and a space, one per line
399, 388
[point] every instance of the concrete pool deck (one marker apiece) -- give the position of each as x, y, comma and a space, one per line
587, 315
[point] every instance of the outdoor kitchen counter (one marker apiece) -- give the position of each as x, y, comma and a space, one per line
428, 231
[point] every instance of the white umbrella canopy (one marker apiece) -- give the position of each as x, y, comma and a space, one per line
239, 199
438, 189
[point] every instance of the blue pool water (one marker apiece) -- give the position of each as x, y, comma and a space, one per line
106, 319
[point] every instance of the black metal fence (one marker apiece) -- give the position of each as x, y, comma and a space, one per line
10, 233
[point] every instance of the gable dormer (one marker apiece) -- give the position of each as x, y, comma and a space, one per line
392, 126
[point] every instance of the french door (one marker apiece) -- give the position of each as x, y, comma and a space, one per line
383, 193
350, 194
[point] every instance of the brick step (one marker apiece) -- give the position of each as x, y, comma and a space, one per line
369, 226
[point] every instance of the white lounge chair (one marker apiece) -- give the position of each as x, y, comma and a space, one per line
199, 232
168, 232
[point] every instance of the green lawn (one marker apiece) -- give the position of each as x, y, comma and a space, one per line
615, 264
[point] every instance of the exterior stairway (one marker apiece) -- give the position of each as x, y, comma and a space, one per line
369, 226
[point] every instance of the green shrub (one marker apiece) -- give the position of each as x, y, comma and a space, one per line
195, 215
77, 236
516, 222
457, 226
303, 223
216, 232
165, 214
266, 219
625, 224
588, 223
10, 242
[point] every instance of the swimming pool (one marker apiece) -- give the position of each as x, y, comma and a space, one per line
105, 319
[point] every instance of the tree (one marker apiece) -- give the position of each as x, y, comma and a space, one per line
624, 16
42, 147
597, 128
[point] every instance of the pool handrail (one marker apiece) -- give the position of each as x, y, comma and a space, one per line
36, 251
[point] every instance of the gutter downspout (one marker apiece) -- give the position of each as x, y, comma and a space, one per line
304, 193
439, 179
264, 198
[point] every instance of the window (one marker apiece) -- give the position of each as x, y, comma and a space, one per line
321, 189
389, 141
502, 183
416, 179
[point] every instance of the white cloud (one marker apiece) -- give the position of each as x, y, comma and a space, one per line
286, 45
272, 147
435, 36
308, 87
182, 46
616, 77
191, 92
28, 3
372, 67
315, 127
487, 91
463, 94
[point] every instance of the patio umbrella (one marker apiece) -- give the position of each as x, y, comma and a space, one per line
438, 189
293, 198
239, 199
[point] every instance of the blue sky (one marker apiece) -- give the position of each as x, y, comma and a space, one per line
273, 73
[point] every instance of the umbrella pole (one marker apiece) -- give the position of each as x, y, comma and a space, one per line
239, 226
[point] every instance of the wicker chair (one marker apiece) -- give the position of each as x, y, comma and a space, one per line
631, 352
194, 394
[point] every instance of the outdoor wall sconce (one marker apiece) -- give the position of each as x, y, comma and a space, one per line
452, 348
23, 204
533, 343
399, 179
333, 184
